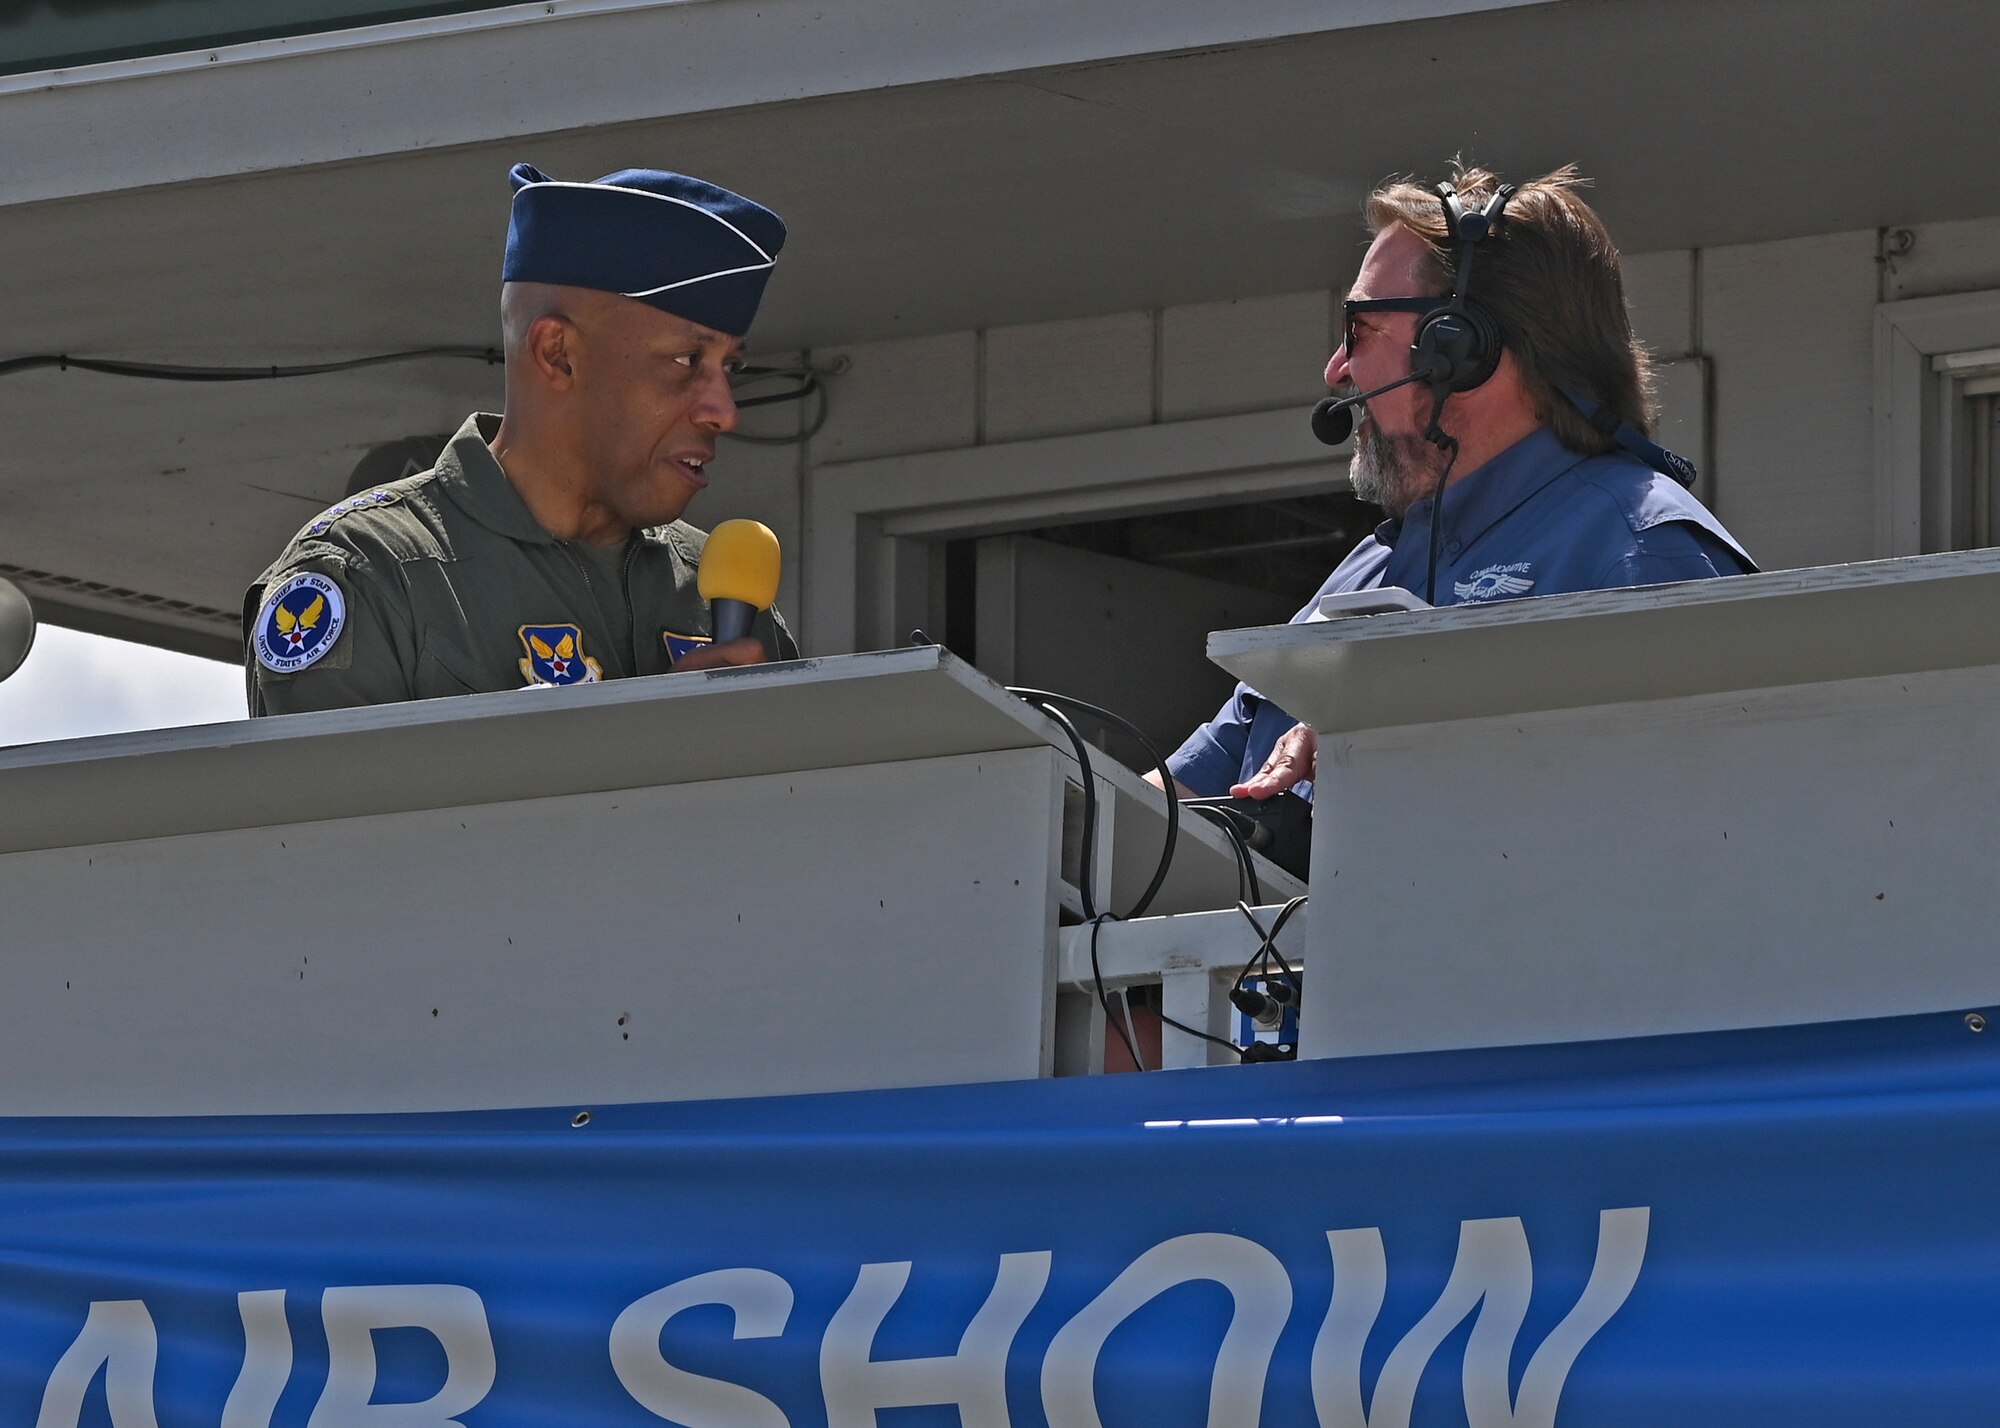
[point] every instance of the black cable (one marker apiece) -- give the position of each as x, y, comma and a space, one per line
177, 372
1436, 436
1222, 819
1215, 1040
1104, 997
809, 385
1267, 948
808, 379
1044, 698
1231, 821
1047, 701
1086, 858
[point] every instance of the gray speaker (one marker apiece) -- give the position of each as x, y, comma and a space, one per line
17, 627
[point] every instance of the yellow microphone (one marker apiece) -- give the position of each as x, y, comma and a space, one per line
739, 575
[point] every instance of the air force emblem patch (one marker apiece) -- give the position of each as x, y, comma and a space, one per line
555, 656
299, 623
1495, 582
679, 647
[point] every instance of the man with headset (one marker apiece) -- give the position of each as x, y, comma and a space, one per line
1489, 353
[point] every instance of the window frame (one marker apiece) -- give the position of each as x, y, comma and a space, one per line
1922, 415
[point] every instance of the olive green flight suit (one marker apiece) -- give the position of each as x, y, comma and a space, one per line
448, 582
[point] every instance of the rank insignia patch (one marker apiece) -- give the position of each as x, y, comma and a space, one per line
680, 646
299, 623
555, 656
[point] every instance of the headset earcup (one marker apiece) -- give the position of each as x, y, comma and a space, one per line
1458, 347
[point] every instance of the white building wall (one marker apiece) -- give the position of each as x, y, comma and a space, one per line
1790, 329
1786, 328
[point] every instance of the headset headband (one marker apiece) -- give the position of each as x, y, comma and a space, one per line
1468, 227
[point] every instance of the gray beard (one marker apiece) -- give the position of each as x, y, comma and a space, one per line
1393, 472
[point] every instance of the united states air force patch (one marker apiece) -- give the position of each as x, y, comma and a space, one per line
299, 623
680, 647
555, 656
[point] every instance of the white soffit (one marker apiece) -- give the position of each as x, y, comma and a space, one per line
462, 79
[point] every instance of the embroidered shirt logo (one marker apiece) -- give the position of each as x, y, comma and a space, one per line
555, 656
1495, 582
299, 623
679, 647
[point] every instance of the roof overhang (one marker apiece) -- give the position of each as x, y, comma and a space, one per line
942, 166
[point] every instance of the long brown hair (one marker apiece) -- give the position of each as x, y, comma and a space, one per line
1549, 275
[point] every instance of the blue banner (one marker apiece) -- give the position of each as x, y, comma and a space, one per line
1789, 1226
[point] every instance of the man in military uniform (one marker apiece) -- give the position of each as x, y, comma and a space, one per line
546, 545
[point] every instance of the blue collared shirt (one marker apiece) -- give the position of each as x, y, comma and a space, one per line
1538, 519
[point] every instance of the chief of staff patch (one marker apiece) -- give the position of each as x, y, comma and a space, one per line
299, 623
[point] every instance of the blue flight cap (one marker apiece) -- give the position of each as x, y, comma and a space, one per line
682, 245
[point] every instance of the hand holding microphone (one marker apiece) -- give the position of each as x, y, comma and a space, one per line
739, 578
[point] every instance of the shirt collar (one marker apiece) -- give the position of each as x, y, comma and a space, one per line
474, 479
1480, 501
478, 484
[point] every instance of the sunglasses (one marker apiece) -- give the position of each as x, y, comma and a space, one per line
1389, 304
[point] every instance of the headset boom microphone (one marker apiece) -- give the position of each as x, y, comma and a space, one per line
1333, 418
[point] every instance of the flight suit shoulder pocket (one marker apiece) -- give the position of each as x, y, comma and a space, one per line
443, 670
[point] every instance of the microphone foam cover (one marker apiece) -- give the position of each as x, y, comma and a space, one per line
1333, 421
740, 562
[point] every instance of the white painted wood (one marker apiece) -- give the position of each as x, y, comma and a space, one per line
1195, 959
1623, 647
490, 748
855, 509
874, 709
1122, 634
1083, 374
434, 83
762, 483
1130, 953
1955, 257
1735, 803
809, 931
916, 395
1249, 354
1781, 856
1683, 391
1787, 326
1917, 411
1188, 996
1659, 293
803, 877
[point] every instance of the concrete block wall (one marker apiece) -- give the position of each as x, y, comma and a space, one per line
1786, 328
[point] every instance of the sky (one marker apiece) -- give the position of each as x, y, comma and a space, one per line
73, 685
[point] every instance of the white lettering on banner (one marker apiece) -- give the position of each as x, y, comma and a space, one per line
452, 1313
118, 1337
1491, 1281
974, 1378
1492, 1275
267, 1360
761, 1303
1262, 1295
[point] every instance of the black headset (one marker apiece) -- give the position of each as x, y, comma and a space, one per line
1458, 345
